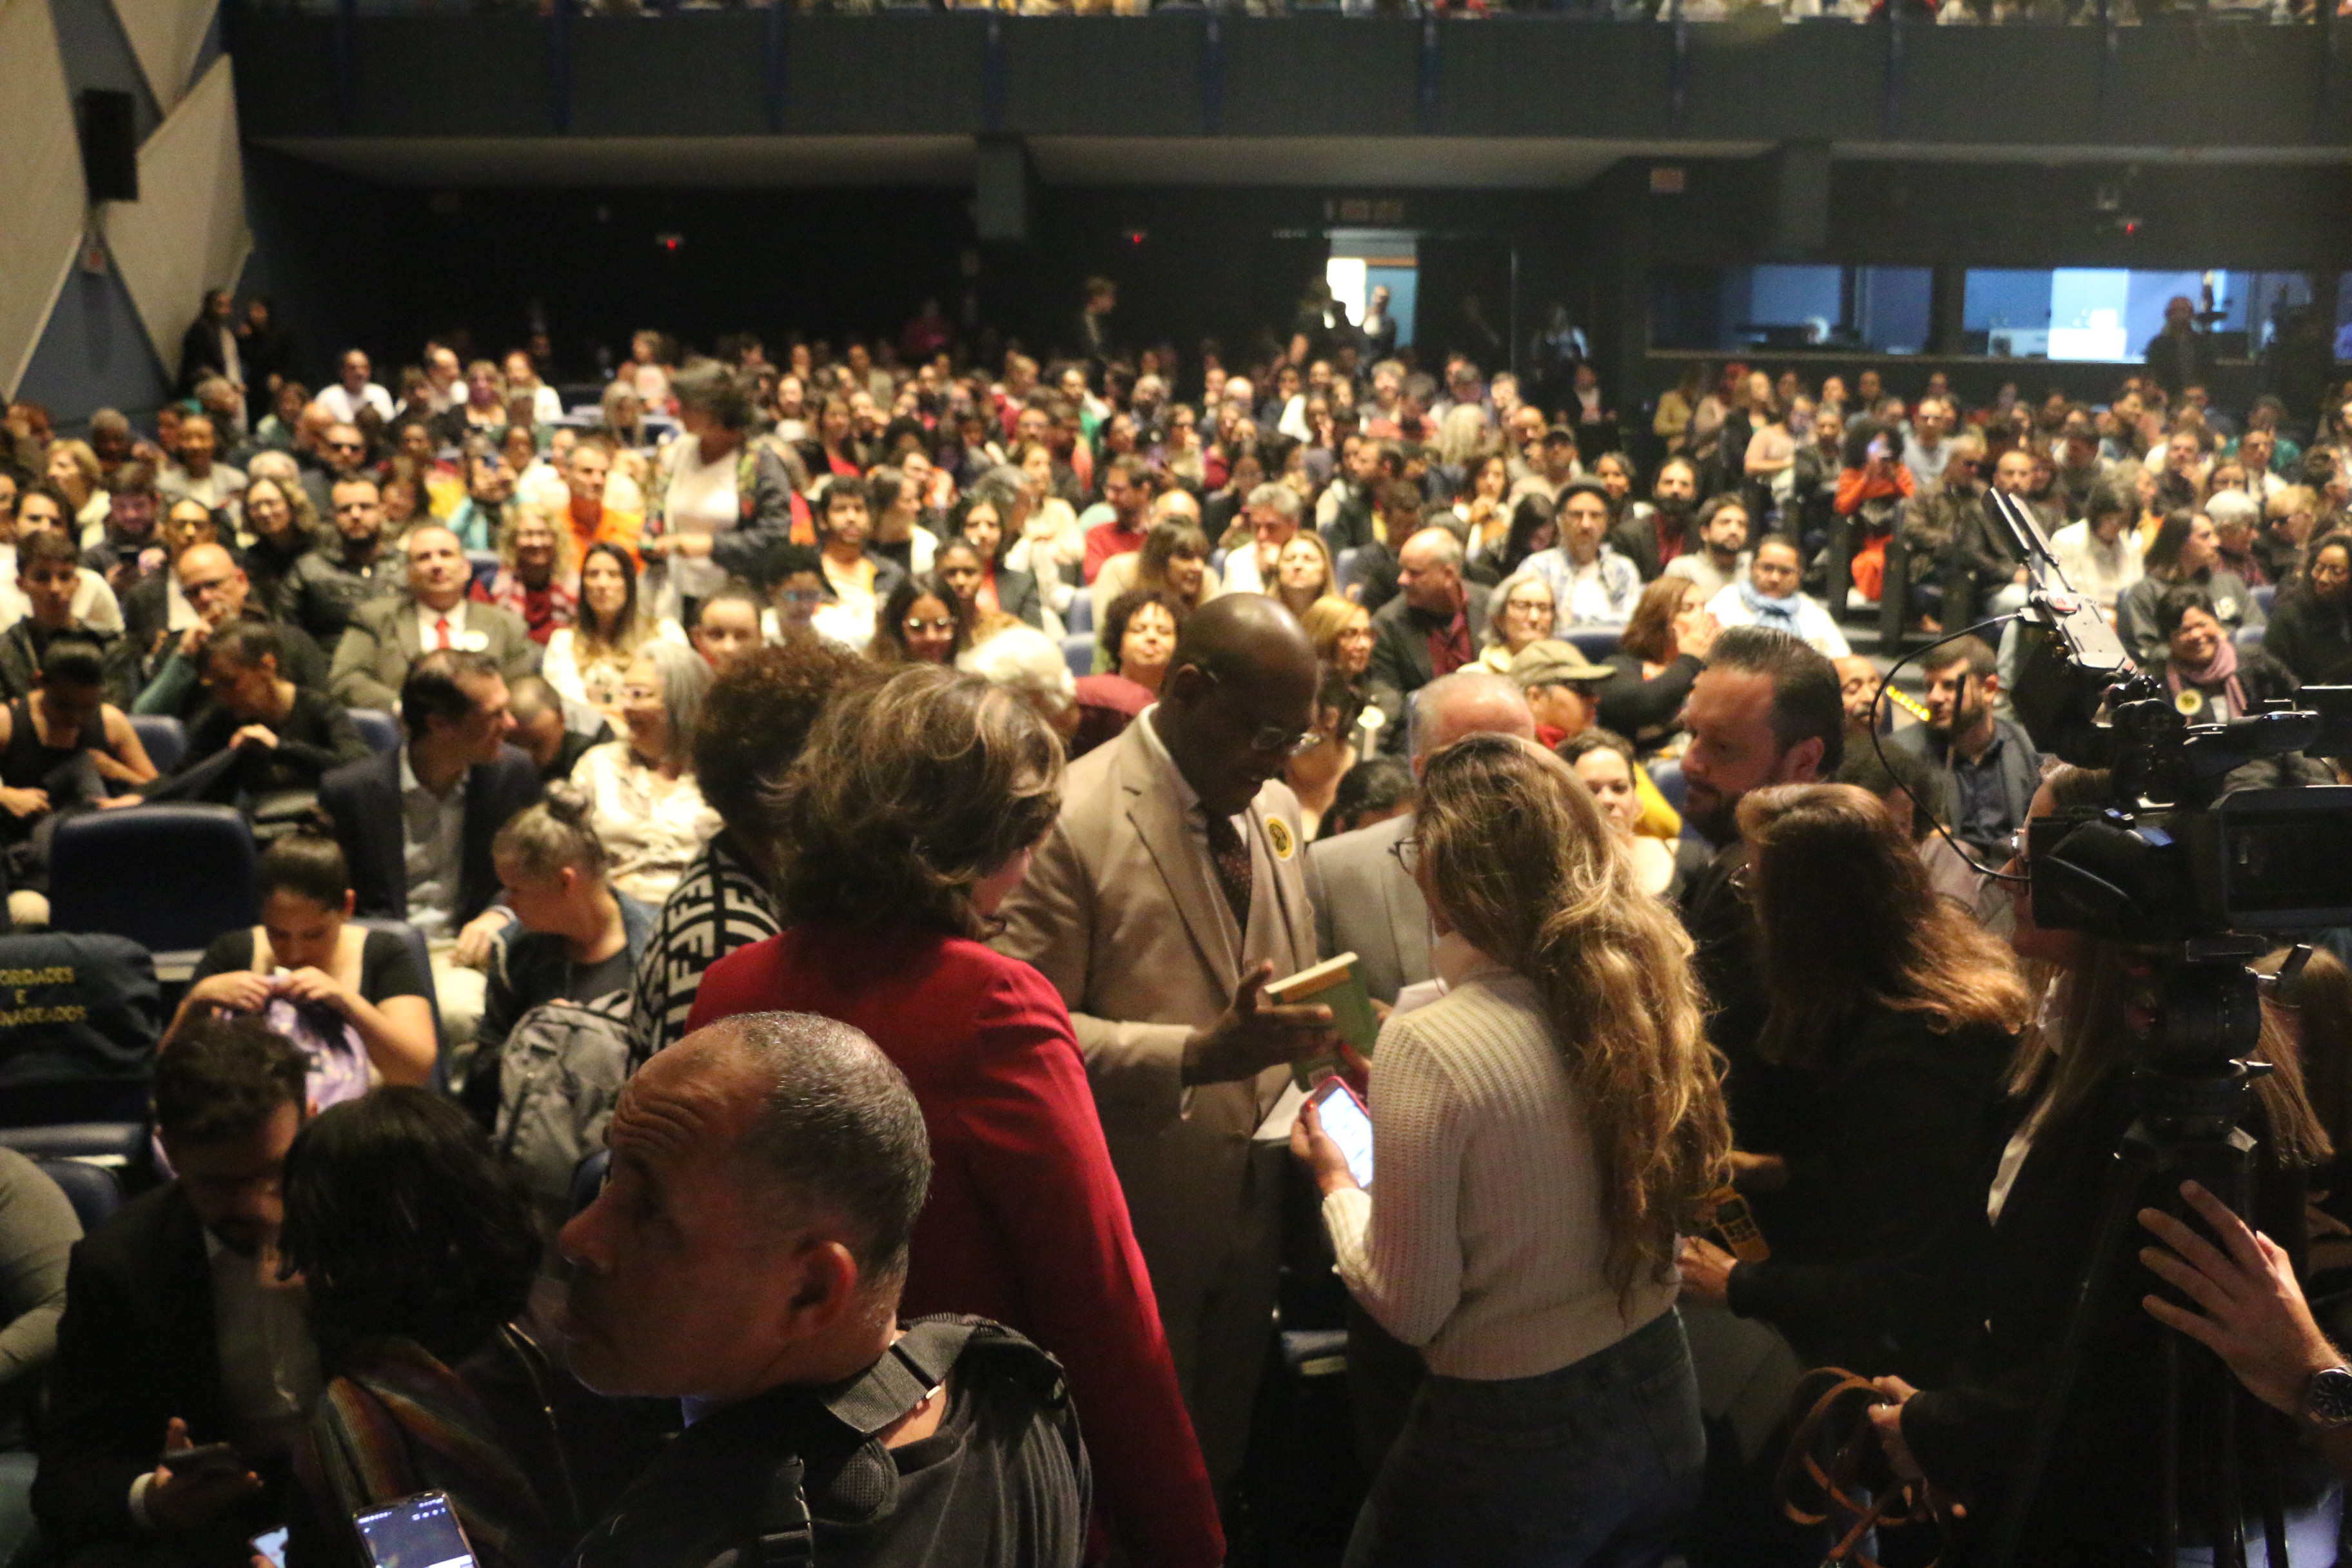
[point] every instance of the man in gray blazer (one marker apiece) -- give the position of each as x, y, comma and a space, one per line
1364, 902
387, 635
1171, 889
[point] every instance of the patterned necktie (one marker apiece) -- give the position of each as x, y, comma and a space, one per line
1232, 857
441, 632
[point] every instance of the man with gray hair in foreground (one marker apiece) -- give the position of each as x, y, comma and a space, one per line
746, 1256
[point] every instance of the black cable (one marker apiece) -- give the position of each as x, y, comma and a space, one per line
1885, 683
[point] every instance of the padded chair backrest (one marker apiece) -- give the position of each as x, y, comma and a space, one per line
1595, 644
2248, 638
1668, 777
379, 729
484, 564
1343, 569
165, 738
112, 1143
169, 878
79, 1016
1079, 652
94, 1190
2265, 595
1080, 617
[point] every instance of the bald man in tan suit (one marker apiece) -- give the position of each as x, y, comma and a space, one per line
1172, 887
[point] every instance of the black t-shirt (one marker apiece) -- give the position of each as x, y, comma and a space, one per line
387, 967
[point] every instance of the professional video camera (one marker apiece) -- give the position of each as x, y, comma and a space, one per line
2202, 879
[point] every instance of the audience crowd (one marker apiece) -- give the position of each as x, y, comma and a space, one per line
763, 1020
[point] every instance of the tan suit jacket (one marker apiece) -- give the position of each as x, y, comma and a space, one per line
1122, 913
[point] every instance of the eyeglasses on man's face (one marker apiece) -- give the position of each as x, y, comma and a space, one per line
1407, 852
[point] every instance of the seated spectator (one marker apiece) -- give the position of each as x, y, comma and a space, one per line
63, 749
1482, 512
282, 528
537, 577
2185, 549
1030, 665
418, 1258
1986, 767
2311, 622
197, 470
2211, 679
542, 731
305, 954
902, 532
1303, 574
594, 512
1432, 627
642, 800
1591, 583
979, 519
41, 508
481, 520
754, 1266
907, 818
1768, 596
73, 470
852, 579
575, 938
1563, 688
755, 718
162, 1302
2101, 555
221, 596
387, 635
260, 734
155, 608
924, 621
1604, 763
1520, 1304
1903, 1014
726, 627
1127, 492
588, 661
1521, 611
1273, 513
478, 407
1722, 557
1376, 790
2236, 516
415, 824
49, 580
1379, 562
717, 503
328, 585
38, 1229
1655, 534
1138, 638
1174, 559
1341, 631
127, 547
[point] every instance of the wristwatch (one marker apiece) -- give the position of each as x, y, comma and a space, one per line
2328, 1398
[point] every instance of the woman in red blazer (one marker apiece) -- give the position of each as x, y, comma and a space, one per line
908, 818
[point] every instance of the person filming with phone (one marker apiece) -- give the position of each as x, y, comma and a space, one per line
1541, 1135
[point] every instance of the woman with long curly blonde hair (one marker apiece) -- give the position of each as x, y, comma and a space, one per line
1541, 1134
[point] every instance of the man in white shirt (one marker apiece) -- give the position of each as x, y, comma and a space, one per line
196, 471
178, 1333
1273, 513
1924, 450
355, 392
2101, 555
94, 603
1770, 597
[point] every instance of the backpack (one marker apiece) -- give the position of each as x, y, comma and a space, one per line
560, 1073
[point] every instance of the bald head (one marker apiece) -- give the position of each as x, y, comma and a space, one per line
1428, 572
1245, 637
213, 582
1238, 696
1468, 702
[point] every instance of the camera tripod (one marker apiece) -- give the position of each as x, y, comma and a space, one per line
2189, 1092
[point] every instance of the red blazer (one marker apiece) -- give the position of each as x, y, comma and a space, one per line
1026, 1222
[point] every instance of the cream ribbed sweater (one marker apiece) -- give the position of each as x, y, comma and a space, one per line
1483, 1242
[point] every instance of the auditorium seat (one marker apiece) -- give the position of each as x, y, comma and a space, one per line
1080, 653
169, 878
1079, 619
484, 564
114, 1144
1594, 643
165, 738
79, 1016
94, 1190
379, 729
1668, 777
2248, 638
2266, 595
1343, 569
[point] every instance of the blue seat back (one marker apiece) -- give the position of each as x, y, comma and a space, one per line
94, 1190
169, 878
484, 564
2248, 638
2265, 595
115, 1143
165, 738
1080, 654
1080, 617
1343, 569
379, 729
1595, 643
1668, 777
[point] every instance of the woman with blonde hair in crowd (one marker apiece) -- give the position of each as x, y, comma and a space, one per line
1542, 1136
536, 577
1303, 572
73, 469
644, 801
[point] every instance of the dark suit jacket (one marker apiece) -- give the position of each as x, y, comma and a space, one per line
1636, 538
1401, 663
136, 1347
372, 659
363, 798
1016, 596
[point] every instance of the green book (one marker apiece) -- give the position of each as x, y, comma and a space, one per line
1334, 984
